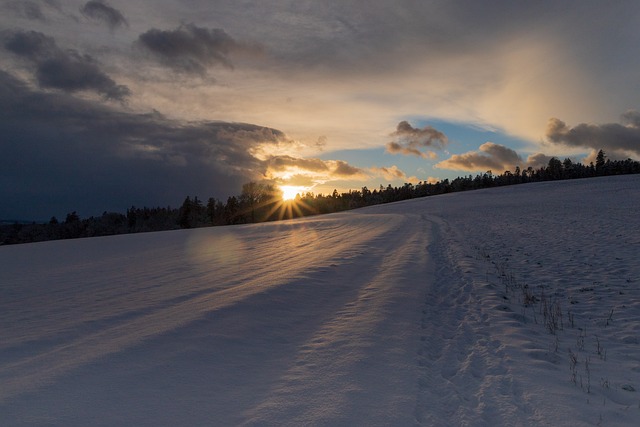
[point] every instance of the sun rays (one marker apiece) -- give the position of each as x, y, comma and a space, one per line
290, 208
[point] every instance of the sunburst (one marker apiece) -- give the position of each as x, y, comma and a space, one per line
289, 206
289, 192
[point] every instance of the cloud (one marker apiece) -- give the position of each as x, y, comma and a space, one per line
461, 61
408, 140
68, 70
290, 170
538, 160
396, 148
616, 138
32, 45
73, 72
300, 180
343, 169
321, 142
26, 8
287, 163
62, 153
426, 137
592, 156
101, 11
393, 173
432, 180
390, 173
190, 48
349, 75
494, 157
632, 118
456, 61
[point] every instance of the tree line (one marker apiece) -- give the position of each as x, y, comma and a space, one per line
259, 202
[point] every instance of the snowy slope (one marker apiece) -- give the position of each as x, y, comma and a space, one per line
508, 306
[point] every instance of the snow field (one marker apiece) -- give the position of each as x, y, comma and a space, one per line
508, 306
572, 248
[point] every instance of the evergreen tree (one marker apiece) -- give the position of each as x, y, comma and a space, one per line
184, 219
231, 211
554, 169
600, 163
210, 212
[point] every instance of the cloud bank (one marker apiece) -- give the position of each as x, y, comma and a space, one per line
492, 157
617, 139
62, 153
334, 76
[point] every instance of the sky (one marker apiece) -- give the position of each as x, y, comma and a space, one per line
109, 104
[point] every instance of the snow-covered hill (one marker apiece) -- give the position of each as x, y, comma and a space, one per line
508, 306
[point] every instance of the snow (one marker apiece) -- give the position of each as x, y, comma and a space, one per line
424, 312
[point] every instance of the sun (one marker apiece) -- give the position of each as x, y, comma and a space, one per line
290, 205
289, 192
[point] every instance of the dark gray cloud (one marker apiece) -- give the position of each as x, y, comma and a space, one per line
61, 153
68, 70
612, 137
409, 140
73, 72
190, 48
32, 45
632, 118
393, 35
101, 11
